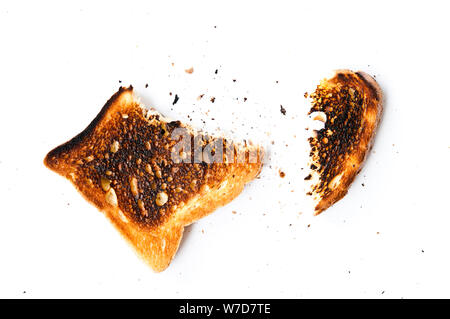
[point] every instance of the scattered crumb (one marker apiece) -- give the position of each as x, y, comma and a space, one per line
307, 178
189, 71
282, 110
309, 225
213, 99
234, 212
216, 71
200, 97
120, 81
362, 184
146, 85
305, 95
282, 174
245, 99
176, 99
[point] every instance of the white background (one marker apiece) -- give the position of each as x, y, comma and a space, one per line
60, 62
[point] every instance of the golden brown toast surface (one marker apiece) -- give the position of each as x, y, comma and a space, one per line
351, 105
123, 163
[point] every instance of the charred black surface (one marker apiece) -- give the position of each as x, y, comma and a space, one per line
343, 105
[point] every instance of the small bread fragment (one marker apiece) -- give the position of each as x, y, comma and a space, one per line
350, 104
124, 164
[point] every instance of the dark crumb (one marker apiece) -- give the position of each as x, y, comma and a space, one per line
24, 292
200, 97
307, 178
305, 95
175, 100
309, 225
309, 193
290, 225
276, 82
170, 93
382, 292
146, 85
213, 99
362, 184
282, 110
282, 174
423, 250
234, 80
120, 81
215, 27
216, 71
245, 99
378, 232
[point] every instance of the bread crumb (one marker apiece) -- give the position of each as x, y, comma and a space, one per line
176, 99
189, 71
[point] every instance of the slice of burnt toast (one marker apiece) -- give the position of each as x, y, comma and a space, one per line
350, 104
151, 176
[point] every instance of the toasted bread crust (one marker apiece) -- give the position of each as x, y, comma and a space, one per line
353, 104
122, 164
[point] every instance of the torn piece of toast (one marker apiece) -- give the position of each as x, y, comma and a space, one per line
152, 176
350, 104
